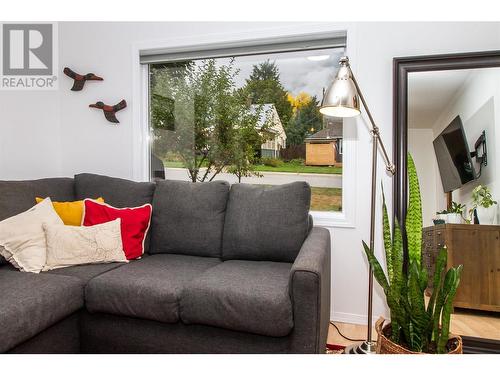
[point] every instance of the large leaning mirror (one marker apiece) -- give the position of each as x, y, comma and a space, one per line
447, 115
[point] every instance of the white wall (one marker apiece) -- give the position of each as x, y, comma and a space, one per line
30, 140
61, 136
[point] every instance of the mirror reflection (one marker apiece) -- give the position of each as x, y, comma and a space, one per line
453, 135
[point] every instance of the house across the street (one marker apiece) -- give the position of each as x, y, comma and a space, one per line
325, 146
272, 147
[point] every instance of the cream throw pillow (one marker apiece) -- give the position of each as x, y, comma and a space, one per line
70, 246
22, 239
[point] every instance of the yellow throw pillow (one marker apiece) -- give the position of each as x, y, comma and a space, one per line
70, 212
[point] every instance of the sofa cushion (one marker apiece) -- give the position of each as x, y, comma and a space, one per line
30, 303
22, 237
134, 223
148, 288
243, 296
266, 223
188, 218
72, 246
117, 192
19, 196
71, 213
85, 272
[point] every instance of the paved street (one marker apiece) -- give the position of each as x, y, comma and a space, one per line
269, 178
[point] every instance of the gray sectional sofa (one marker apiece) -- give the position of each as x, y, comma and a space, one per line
227, 269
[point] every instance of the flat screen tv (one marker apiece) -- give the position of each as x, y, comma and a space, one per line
453, 156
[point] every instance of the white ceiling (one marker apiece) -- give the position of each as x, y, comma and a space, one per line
429, 93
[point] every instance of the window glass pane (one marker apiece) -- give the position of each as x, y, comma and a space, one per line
252, 119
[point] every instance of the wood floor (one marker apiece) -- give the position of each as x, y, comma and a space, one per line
463, 322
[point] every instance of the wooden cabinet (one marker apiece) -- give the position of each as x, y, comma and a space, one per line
477, 247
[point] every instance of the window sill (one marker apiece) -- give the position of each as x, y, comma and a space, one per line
331, 220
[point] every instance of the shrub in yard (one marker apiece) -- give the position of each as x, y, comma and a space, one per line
296, 161
271, 162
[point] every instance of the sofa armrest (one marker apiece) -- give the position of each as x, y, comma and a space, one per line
309, 288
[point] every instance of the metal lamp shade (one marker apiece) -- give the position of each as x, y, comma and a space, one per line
341, 99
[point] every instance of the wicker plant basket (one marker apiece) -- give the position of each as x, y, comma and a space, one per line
386, 346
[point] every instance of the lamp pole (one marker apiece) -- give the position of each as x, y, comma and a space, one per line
369, 346
341, 100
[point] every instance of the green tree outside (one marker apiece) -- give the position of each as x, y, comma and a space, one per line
197, 113
306, 120
264, 86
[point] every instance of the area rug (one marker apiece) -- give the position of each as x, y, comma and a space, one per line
334, 349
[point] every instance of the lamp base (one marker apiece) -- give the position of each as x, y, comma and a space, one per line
363, 348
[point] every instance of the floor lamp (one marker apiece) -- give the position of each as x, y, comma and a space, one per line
342, 100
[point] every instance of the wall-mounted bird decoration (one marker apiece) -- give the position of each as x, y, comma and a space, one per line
110, 110
79, 79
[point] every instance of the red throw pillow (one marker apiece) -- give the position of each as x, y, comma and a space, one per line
134, 223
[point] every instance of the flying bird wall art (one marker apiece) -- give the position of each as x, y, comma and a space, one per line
80, 79
110, 110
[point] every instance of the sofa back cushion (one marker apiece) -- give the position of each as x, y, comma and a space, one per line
188, 218
19, 196
116, 192
266, 223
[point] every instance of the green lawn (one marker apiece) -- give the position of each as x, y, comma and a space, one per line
298, 168
285, 167
326, 199
173, 164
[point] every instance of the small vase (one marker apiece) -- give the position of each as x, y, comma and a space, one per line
488, 215
454, 218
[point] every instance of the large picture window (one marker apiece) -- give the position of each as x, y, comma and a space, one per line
251, 118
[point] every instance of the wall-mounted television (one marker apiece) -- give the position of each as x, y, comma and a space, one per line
453, 156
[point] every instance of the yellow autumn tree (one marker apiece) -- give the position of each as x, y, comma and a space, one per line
299, 101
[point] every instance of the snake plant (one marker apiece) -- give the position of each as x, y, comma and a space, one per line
415, 324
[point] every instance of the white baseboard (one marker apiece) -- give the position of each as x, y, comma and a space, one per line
351, 318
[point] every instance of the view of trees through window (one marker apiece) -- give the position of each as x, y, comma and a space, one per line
252, 119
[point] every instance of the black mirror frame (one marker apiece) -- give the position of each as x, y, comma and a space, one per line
401, 67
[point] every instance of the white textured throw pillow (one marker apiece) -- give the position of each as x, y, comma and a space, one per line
22, 239
70, 246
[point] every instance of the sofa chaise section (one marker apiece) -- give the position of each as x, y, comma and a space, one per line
31, 303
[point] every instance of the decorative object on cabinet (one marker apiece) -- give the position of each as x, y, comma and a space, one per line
79, 79
110, 110
455, 214
477, 247
441, 217
484, 205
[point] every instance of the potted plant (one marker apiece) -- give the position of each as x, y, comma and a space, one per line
415, 326
442, 216
455, 214
484, 205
